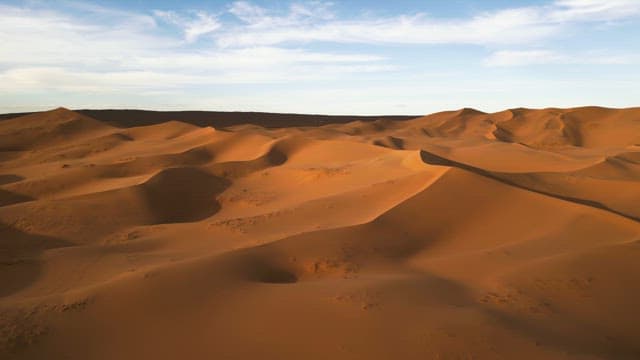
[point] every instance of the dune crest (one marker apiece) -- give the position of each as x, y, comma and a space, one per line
461, 234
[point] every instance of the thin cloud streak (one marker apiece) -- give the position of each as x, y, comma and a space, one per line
551, 57
200, 23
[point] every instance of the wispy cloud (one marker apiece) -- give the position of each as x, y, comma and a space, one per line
593, 10
27, 79
263, 28
547, 57
260, 26
195, 25
49, 49
523, 57
249, 58
166, 71
43, 36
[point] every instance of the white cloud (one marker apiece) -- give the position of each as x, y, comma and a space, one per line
172, 73
248, 12
61, 79
547, 57
53, 50
248, 58
199, 24
523, 57
593, 10
128, 41
41, 36
256, 16
507, 26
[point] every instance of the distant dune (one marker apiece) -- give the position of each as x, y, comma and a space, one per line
218, 119
129, 234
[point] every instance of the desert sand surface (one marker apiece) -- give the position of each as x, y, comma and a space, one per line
457, 235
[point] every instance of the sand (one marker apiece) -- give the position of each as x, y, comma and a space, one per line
458, 235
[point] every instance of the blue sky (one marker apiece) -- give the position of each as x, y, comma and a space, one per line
341, 57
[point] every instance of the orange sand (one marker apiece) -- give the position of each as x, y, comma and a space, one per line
458, 235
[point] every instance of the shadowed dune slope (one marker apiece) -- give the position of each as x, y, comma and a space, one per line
163, 235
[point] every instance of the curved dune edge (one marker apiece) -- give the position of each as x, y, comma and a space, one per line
459, 234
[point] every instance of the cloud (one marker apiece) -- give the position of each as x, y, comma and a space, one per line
548, 57
249, 58
200, 23
69, 51
160, 71
256, 16
82, 48
248, 13
261, 26
58, 78
89, 36
42, 36
523, 57
593, 10
28, 79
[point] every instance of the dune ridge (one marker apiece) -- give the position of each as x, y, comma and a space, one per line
460, 234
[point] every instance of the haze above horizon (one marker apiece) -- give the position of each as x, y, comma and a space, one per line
355, 57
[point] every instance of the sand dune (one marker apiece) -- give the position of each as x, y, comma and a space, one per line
461, 234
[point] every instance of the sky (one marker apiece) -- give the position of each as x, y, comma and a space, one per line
341, 57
